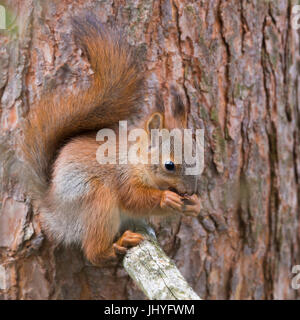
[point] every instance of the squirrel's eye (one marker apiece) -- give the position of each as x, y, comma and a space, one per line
169, 165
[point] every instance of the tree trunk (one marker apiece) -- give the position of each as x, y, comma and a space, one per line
236, 64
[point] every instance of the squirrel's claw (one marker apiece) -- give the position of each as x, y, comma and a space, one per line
193, 207
119, 250
187, 205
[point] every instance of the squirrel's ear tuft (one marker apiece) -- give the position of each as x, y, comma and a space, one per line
179, 108
156, 121
179, 111
159, 102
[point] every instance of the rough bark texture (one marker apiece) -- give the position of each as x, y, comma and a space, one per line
237, 65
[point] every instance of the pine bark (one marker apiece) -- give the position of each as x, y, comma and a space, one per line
236, 64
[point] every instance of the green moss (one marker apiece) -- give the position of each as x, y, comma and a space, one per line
274, 59
189, 9
203, 113
219, 141
214, 115
275, 53
186, 72
227, 136
240, 91
205, 80
237, 90
201, 41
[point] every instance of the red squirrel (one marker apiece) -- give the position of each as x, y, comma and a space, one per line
80, 201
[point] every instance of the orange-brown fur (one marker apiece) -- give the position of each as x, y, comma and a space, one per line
81, 201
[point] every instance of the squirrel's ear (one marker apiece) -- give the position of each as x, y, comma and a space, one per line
156, 121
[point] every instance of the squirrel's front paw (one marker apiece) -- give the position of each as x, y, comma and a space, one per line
171, 200
192, 205
128, 239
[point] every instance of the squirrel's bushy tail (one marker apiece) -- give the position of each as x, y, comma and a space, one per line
114, 94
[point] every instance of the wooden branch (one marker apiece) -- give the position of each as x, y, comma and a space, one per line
155, 273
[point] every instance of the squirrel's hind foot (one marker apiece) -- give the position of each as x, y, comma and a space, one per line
128, 240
